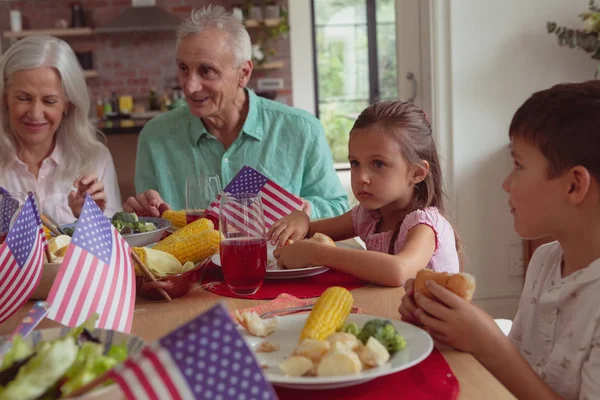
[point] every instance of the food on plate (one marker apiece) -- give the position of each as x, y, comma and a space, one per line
328, 314
53, 369
322, 238
374, 354
385, 332
313, 349
267, 347
339, 361
47, 233
328, 348
296, 366
194, 242
254, 324
128, 223
461, 284
57, 246
177, 218
160, 263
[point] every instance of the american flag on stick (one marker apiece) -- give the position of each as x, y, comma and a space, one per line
206, 358
8, 206
96, 275
21, 259
277, 202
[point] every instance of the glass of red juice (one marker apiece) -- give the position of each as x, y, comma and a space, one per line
243, 246
200, 191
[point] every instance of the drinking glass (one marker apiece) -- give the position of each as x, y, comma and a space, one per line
200, 191
243, 246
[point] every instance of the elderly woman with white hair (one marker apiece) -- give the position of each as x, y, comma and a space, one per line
226, 126
47, 143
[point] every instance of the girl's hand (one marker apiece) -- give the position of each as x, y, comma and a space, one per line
295, 226
86, 184
297, 255
408, 306
456, 322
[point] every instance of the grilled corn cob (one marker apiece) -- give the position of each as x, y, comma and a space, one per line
193, 242
47, 233
177, 218
328, 314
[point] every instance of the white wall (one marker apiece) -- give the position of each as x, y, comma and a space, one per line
500, 54
301, 50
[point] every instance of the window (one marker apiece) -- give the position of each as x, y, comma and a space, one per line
355, 63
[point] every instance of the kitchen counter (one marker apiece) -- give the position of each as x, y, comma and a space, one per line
120, 126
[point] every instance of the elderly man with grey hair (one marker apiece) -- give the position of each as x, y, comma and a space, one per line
226, 126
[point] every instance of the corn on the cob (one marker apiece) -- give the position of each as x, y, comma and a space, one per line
328, 314
192, 242
177, 218
141, 254
47, 233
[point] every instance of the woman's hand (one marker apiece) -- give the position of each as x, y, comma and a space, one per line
408, 307
297, 255
86, 184
147, 204
295, 226
456, 322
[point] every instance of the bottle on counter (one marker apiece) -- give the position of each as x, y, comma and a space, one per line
114, 103
153, 100
99, 108
107, 105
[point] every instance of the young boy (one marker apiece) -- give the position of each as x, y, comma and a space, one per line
553, 349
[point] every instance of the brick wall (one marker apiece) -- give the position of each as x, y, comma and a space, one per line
131, 63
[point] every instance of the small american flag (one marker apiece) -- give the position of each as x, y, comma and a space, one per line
206, 358
21, 259
96, 275
8, 206
277, 202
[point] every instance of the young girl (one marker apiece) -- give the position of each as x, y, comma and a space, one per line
553, 349
396, 178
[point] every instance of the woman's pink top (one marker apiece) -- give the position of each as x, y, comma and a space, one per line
445, 257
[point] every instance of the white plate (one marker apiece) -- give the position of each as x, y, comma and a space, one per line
276, 272
418, 346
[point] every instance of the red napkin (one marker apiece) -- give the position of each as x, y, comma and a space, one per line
312, 286
431, 379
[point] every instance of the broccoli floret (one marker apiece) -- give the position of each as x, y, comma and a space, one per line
351, 328
144, 226
123, 220
69, 231
384, 332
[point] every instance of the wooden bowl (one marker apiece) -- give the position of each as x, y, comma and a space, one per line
175, 285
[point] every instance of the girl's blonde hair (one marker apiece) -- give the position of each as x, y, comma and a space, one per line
409, 125
75, 135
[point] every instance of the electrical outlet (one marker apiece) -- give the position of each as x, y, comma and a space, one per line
515, 260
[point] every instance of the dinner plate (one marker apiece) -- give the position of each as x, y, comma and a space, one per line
418, 346
276, 272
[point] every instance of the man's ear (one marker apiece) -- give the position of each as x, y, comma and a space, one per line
244, 74
579, 180
420, 172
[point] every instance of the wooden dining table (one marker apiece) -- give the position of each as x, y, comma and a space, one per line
154, 319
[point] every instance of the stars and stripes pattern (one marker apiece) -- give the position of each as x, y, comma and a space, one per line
206, 358
277, 202
96, 275
21, 259
8, 206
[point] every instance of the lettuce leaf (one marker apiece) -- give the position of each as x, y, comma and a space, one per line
18, 351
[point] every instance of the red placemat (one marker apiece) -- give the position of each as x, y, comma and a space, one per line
431, 379
302, 288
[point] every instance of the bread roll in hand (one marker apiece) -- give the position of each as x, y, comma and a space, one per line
461, 284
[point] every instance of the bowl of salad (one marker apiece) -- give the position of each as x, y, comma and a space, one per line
52, 363
137, 231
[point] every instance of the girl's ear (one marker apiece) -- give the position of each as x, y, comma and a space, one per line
244, 74
579, 180
420, 172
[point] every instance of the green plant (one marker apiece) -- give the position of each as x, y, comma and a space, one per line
268, 35
587, 38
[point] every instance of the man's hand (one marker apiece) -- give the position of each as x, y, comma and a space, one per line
147, 204
86, 184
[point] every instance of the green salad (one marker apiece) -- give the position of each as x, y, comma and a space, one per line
126, 223
54, 369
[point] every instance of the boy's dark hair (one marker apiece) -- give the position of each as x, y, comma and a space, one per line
564, 123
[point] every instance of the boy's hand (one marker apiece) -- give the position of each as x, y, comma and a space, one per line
297, 255
295, 226
456, 322
408, 306
86, 184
